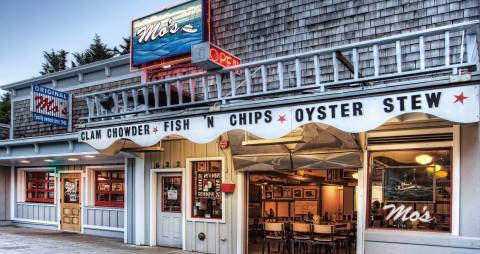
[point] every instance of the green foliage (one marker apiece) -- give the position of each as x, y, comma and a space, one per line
5, 108
95, 52
125, 46
54, 61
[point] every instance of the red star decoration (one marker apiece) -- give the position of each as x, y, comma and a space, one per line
155, 130
460, 98
281, 118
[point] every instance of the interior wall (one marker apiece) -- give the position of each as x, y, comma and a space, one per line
348, 200
330, 199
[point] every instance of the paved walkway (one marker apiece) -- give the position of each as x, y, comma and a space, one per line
39, 241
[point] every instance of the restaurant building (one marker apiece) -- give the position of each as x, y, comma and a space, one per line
235, 126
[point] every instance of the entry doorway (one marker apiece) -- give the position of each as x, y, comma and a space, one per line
167, 208
169, 215
70, 202
296, 200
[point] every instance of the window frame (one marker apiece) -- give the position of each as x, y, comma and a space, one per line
109, 203
418, 149
189, 189
45, 190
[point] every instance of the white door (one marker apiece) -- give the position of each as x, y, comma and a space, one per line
169, 213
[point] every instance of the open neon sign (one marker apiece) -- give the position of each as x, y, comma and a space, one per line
211, 57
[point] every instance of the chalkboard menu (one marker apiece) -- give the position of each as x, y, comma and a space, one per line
207, 195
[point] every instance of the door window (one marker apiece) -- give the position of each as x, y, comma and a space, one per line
71, 191
172, 194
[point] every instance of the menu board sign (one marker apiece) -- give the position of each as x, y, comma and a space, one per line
306, 207
208, 185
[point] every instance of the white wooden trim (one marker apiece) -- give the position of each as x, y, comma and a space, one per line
48, 155
103, 228
139, 196
35, 221
362, 202
42, 169
189, 189
13, 196
153, 204
242, 212
390, 133
439, 144
456, 172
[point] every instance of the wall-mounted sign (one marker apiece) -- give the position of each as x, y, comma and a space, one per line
50, 106
211, 57
456, 104
169, 34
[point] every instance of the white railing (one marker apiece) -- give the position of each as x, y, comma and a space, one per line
439, 51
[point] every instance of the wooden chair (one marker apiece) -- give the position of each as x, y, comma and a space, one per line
301, 235
344, 237
324, 235
253, 229
274, 232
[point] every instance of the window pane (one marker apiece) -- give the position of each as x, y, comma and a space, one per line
207, 196
172, 194
411, 190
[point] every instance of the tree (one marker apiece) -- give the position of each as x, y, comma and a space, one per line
125, 46
54, 61
95, 52
5, 108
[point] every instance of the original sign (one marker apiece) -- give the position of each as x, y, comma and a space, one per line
209, 185
168, 34
211, 57
50, 106
456, 104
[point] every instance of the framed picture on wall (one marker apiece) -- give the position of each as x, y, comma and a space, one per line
268, 187
277, 191
298, 193
268, 195
310, 194
287, 193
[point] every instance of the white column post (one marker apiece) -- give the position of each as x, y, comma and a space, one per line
362, 197
139, 194
241, 218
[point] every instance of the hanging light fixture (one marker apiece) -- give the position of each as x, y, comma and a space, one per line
355, 175
301, 172
424, 159
434, 168
441, 174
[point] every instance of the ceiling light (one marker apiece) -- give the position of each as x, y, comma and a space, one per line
301, 172
355, 175
434, 168
72, 159
441, 174
48, 160
424, 159
89, 156
25, 161
167, 66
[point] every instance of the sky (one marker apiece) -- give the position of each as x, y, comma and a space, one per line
32, 26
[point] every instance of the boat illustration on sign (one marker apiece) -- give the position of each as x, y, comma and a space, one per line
404, 185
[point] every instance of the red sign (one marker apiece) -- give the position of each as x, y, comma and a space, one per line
222, 57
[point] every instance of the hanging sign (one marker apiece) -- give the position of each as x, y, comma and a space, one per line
50, 106
168, 35
211, 57
456, 104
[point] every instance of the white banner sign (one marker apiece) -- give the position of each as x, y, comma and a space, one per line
456, 104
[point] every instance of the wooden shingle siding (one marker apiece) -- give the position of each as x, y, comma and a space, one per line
25, 127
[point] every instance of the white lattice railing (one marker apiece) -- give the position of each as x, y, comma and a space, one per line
439, 51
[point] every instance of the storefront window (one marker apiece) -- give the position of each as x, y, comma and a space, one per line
411, 190
40, 187
207, 195
109, 188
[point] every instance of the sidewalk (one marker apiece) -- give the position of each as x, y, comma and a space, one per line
39, 241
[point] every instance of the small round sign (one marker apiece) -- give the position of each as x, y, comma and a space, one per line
223, 144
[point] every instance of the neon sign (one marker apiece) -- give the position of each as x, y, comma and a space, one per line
210, 57
406, 214
169, 34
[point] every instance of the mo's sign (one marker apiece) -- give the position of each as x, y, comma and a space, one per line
167, 36
50, 106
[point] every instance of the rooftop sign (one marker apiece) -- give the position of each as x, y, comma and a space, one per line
50, 106
168, 35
